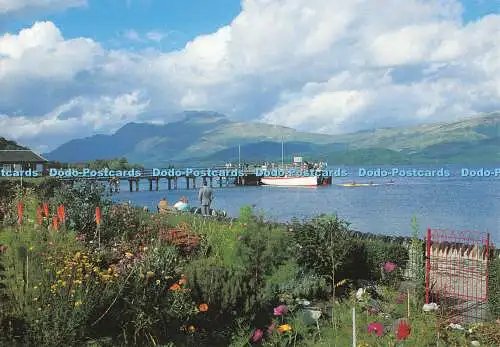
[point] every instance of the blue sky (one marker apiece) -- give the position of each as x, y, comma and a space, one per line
110, 21
75, 68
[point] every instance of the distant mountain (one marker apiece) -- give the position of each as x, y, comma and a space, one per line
206, 138
9, 145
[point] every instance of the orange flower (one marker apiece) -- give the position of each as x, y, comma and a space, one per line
61, 213
203, 307
284, 328
20, 212
46, 209
55, 223
98, 215
39, 217
174, 287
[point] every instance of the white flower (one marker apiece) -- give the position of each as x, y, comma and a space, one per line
360, 293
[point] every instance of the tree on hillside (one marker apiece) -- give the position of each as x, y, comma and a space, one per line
8, 144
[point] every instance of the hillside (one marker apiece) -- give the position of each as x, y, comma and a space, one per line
9, 145
211, 138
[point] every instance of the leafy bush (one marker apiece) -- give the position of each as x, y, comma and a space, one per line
323, 244
120, 222
80, 201
494, 286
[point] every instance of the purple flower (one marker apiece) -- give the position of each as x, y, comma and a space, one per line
376, 328
257, 335
280, 310
389, 267
401, 298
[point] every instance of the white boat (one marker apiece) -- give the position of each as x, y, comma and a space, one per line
290, 181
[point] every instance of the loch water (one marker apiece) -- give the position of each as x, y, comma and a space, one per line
455, 202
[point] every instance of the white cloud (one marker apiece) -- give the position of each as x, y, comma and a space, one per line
156, 36
329, 66
13, 6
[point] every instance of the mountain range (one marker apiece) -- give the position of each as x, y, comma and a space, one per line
202, 138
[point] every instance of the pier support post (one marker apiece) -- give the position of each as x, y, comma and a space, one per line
130, 185
204, 180
137, 185
211, 181
175, 182
157, 183
220, 181
169, 183
187, 182
150, 184
194, 182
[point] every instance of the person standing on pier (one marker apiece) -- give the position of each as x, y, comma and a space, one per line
206, 196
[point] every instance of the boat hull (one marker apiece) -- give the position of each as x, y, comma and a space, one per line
290, 181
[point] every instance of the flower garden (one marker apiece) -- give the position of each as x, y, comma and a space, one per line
78, 270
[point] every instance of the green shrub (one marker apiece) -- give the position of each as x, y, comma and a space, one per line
494, 286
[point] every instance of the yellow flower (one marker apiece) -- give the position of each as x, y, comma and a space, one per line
191, 328
141, 275
54, 286
77, 282
78, 303
35, 287
284, 328
129, 255
31, 248
150, 274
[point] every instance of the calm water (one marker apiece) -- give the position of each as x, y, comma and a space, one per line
454, 202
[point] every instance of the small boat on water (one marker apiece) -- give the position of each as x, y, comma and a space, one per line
359, 184
308, 181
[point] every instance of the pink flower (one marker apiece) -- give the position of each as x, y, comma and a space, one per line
257, 335
389, 267
280, 310
401, 298
376, 328
271, 328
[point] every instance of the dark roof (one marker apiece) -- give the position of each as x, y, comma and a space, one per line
17, 156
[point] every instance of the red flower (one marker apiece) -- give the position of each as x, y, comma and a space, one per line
376, 328
61, 213
257, 335
98, 215
389, 267
46, 209
39, 216
20, 212
403, 330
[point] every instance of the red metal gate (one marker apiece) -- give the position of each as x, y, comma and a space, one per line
457, 273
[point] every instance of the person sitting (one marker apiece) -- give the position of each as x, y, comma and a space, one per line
182, 204
164, 207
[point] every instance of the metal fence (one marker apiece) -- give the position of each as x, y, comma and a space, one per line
456, 276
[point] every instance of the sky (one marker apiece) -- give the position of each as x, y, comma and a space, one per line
74, 68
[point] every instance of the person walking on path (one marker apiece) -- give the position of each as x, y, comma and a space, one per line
206, 196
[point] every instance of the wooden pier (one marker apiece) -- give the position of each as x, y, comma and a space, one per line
180, 181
